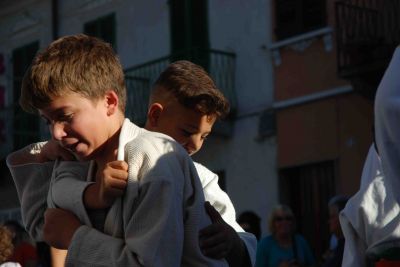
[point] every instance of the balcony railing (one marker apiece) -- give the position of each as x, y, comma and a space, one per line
367, 33
17, 129
139, 79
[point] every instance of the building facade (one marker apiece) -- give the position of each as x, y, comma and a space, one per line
335, 53
300, 76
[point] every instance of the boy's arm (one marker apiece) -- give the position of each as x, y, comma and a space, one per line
31, 171
220, 240
57, 257
222, 203
89, 247
40, 152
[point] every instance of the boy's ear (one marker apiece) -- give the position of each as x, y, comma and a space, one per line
111, 101
154, 114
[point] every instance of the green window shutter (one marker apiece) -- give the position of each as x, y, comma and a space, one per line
189, 31
26, 126
294, 17
103, 28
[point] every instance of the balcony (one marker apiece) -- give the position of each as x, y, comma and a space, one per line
219, 64
367, 33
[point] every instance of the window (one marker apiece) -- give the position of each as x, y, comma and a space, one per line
103, 28
295, 17
26, 126
307, 190
189, 31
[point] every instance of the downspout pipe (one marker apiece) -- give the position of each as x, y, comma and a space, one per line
54, 19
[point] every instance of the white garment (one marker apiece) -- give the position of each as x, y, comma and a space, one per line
223, 204
157, 220
371, 218
32, 182
10, 264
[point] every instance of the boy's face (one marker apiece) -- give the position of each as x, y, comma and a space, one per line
187, 126
79, 124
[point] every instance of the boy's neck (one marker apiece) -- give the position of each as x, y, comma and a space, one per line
109, 151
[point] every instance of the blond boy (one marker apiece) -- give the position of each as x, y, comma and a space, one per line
77, 86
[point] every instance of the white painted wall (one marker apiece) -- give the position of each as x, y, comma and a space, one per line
243, 27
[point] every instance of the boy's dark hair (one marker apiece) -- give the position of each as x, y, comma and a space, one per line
251, 221
78, 63
191, 85
338, 201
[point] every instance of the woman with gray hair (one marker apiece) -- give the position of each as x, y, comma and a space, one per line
283, 247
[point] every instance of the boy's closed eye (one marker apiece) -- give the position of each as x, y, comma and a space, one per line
204, 137
65, 117
186, 133
59, 118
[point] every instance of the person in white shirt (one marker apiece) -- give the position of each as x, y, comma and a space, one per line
371, 219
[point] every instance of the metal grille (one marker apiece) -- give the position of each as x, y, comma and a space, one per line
367, 33
219, 64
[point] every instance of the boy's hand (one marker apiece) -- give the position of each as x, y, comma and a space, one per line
112, 182
53, 150
218, 239
59, 227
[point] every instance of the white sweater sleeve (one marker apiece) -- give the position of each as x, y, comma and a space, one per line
387, 123
32, 182
67, 187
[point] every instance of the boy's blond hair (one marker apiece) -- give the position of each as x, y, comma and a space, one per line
192, 87
76, 63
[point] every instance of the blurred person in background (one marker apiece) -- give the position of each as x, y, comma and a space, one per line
334, 256
6, 248
283, 247
24, 252
250, 222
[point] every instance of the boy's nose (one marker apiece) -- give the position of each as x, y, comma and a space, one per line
57, 131
194, 144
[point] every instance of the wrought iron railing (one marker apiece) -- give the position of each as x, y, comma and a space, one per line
219, 64
17, 129
367, 33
